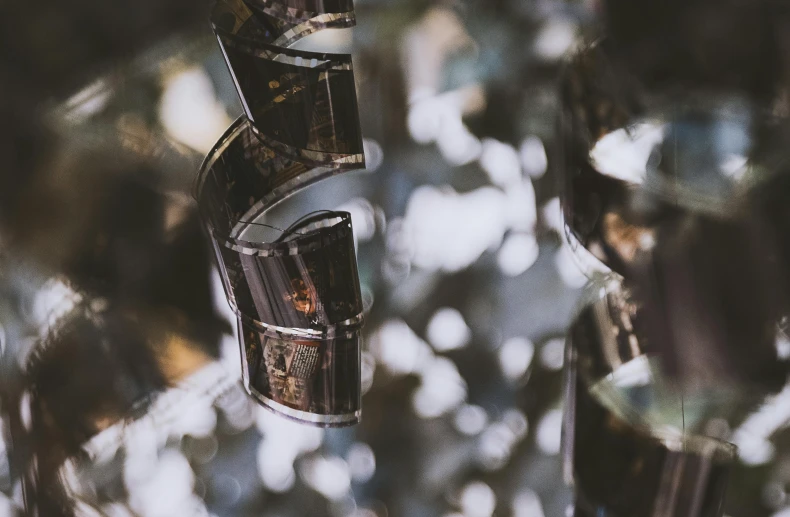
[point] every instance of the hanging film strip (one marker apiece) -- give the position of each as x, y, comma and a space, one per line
674, 199
650, 210
295, 291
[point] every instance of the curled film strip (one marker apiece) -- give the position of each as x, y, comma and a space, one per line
691, 310
702, 254
296, 291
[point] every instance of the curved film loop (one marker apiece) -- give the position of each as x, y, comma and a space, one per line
296, 291
621, 463
675, 191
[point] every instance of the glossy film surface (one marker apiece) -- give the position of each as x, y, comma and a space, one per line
295, 290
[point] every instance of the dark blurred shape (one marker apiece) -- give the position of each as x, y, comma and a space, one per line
90, 214
138, 260
719, 45
92, 370
52, 47
621, 462
145, 320
48, 50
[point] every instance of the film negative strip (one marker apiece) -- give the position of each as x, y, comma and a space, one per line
295, 291
302, 104
313, 380
621, 463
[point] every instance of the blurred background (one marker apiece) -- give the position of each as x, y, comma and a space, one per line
467, 280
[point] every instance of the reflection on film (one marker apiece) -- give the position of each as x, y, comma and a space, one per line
314, 380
